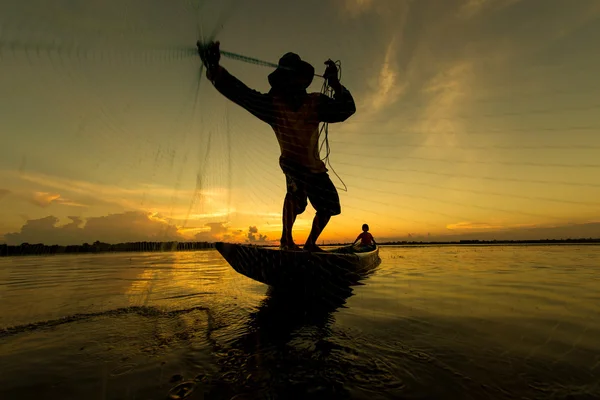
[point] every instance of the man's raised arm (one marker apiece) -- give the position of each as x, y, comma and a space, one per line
256, 103
338, 109
342, 106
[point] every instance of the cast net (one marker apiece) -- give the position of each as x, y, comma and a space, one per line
473, 123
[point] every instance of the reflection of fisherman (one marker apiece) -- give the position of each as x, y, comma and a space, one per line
287, 326
294, 115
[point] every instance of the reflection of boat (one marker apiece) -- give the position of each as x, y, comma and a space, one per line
287, 349
283, 312
276, 267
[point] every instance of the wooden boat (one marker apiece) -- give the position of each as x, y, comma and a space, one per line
276, 267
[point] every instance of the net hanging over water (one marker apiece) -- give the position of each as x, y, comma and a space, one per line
471, 123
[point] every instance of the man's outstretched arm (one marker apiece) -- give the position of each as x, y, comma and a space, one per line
258, 104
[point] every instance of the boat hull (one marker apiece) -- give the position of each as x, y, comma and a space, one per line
276, 267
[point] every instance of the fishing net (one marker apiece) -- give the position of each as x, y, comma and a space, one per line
113, 139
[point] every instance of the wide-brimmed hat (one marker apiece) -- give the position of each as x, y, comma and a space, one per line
292, 67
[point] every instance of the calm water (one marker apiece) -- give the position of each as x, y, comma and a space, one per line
518, 322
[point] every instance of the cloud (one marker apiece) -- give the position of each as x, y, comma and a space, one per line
513, 232
129, 198
216, 232
45, 230
388, 88
445, 93
44, 199
524, 232
254, 237
385, 86
219, 231
234, 235
389, 9
472, 226
357, 7
472, 8
152, 198
130, 226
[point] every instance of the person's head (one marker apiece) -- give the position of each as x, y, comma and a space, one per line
365, 228
292, 74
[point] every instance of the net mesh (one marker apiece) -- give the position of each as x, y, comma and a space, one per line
111, 134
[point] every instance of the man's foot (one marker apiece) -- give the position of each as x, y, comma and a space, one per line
313, 248
290, 247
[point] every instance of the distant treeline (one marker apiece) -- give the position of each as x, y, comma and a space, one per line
99, 247
488, 242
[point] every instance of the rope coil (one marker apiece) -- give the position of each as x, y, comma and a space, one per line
328, 91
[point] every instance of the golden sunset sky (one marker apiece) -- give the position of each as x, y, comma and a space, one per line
472, 116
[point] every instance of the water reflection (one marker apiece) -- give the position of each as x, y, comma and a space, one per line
431, 323
287, 348
283, 313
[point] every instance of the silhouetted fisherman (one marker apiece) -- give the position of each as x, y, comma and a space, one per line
294, 116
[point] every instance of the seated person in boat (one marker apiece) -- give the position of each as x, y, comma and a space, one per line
294, 115
367, 240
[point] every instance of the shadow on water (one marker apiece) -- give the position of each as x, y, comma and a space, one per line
286, 348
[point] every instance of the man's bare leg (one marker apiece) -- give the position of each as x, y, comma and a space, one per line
288, 219
319, 223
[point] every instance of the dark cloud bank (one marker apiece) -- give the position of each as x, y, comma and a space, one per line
130, 226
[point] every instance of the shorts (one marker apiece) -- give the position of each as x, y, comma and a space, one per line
304, 185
